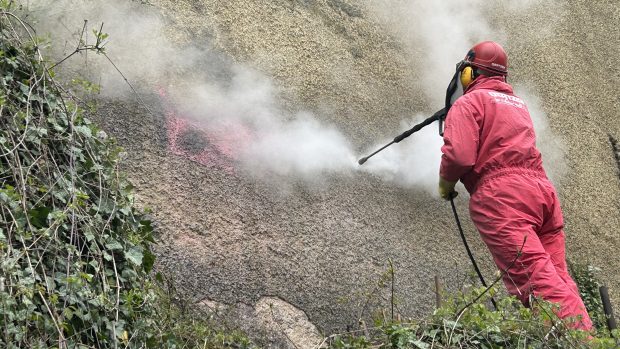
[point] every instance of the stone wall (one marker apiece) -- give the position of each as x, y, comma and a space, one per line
232, 239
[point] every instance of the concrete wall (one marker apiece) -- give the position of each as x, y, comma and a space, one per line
322, 247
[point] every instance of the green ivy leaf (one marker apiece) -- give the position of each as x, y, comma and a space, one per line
89, 235
135, 255
421, 345
38, 216
114, 245
148, 261
84, 130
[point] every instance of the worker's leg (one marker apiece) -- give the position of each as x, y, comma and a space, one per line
554, 244
508, 215
553, 238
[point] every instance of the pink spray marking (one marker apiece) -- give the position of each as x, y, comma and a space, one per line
214, 144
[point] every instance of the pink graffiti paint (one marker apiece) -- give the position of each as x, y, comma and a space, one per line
211, 143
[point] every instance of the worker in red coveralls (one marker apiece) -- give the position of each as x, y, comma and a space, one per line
490, 146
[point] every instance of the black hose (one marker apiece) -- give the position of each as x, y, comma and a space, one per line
471, 256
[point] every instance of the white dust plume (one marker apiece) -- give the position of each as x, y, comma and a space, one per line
202, 85
136, 42
551, 146
297, 145
413, 162
437, 34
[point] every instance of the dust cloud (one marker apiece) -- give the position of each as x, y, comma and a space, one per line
552, 147
438, 34
212, 90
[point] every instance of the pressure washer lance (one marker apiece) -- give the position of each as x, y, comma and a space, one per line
438, 116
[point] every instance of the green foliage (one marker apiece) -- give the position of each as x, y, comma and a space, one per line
463, 323
588, 283
74, 252
350, 342
466, 321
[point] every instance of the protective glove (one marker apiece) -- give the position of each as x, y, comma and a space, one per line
446, 189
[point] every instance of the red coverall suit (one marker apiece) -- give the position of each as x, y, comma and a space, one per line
489, 144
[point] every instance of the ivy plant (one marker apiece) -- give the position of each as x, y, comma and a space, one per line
74, 251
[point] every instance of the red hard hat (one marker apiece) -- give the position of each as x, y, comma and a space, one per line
489, 56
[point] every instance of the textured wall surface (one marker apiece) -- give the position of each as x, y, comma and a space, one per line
230, 238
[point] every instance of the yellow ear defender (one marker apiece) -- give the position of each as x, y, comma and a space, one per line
467, 77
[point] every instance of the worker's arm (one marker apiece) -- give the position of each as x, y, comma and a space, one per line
461, 139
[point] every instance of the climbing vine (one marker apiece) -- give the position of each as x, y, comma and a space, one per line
74, 252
